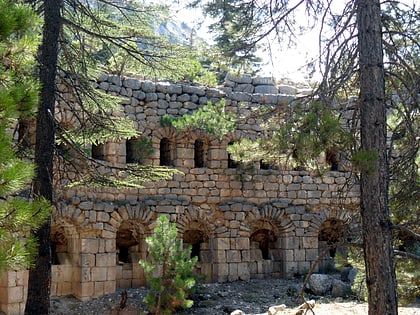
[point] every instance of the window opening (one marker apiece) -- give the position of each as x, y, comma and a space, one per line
98, 151
165, 152
198, 153
231, 162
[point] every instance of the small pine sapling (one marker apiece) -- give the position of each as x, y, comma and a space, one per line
170, 271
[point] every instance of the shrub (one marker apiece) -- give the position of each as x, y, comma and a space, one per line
170, 271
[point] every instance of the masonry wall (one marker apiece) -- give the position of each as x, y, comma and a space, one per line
242, 223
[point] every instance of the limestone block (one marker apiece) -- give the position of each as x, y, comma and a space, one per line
299, 254
311, 254
289, 255
99, 274
89, 245
266, 89
109, 287
189, 89
11, 309
247, 88
233, 256
84, 291
105, 260
245, 256
222, 244
102, 216
221, 269
219, 256
98, 289
183, 98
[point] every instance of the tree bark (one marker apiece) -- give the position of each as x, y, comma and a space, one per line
38, 301
377, 236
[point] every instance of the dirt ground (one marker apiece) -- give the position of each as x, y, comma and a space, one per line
252, 297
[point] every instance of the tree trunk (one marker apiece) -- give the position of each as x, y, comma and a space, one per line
377, 237
38, 301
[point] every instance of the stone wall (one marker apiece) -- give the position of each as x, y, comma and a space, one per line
13, 291
242, 223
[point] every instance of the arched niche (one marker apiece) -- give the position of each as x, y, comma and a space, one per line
331, 231
167, 152
128, 240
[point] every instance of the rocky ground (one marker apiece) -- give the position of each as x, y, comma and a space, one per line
251, 297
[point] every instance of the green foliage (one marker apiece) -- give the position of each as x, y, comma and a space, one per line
170, 271
142, 148
235, 29
407, 270
365, 161
18, 98
133, 176
297, 138
212, 119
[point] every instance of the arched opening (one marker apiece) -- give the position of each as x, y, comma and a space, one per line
98, 151
59, 247
331, 231
165, 152
231, 163
265, 238
138, 149
199, 153
264, 165
332, 159
126, 239
195, 238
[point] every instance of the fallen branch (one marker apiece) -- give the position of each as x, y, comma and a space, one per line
406, 254
407, 231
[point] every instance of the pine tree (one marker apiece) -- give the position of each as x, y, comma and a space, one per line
170, 270
18, 99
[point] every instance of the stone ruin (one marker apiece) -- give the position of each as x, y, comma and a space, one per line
242, 224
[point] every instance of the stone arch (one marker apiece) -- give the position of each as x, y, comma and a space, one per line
196, 228
64, 238
129, 240
269, 227
331, 225
130, 245
65, 250
165, 142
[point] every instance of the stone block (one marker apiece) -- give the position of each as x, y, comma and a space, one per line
99, 273
233, 256
84, 291
89, 245
98, 289
221, 243
110, 287
105, 260
11, 309
310, 242
220, 256
86, 260
311, 254
245, 255
221, 269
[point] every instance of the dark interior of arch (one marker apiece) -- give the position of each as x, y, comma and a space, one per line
264, 237
195, 238
332, 231
124, 241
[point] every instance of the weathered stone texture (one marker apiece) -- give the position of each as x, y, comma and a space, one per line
246, 224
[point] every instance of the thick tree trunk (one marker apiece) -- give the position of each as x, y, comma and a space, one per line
377, 237
40, 275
